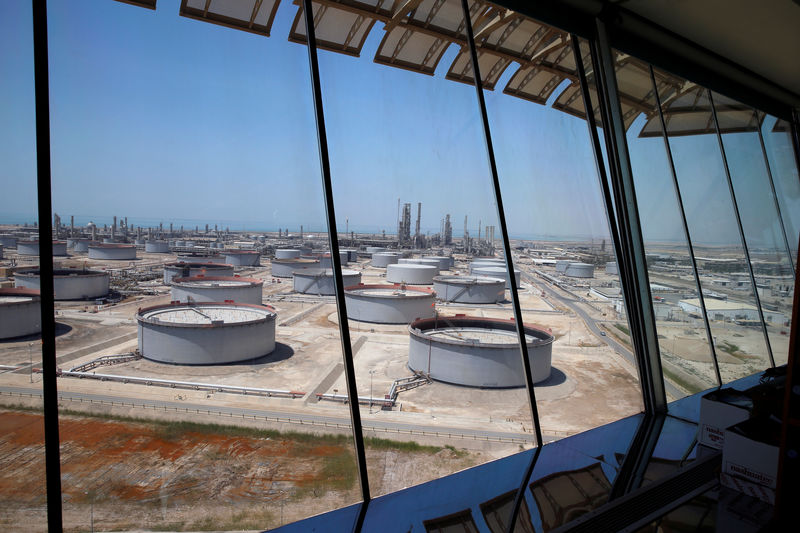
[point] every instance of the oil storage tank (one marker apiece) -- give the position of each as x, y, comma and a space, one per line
81, 245
384, 259
68, 283
611, 268
32, 248
411, 274
20, 312
561, 265
287, 253
284, 268
325, 260
579, 270
417, 261
470, 289
445, 262
486, 263
498, 272
242, 257
477, 351
112, 252
320, 280
156, 247
389, 304
207, 333
217, 289
185, 270
376, 249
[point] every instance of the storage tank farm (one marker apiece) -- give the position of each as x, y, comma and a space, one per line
411, 274
32, 248
217, 289
206, 333
477, 351
185, 270
579, 270
68, 283
112, 252
320, 280
388, 304
384, 259
287, 253
496, 271
284, 268
156, 247
242, 257
20, 312
470, 289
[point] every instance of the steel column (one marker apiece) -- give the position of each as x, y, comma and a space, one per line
633, 267
336, 263
43, 184
523, 345
739, 225
689, 244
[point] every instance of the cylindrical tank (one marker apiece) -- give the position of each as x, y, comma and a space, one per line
283, 268
486, 263
139, 241
8, 240
384, 259
445, 263
68, 283
417, 261
32, 248
477, 351
352, 254
579, 270
81, 245
325, 260
180, 244
217, 289
498, 272
195, 257
611, 268
20, 312
376, 249
287, 253
411, 274
206, 333
561, 265
470, 289
156, 247
186, 270
320, 280
112, 252
388, 304
242, 257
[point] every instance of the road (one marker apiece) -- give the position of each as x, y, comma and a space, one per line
270, 415
591, 323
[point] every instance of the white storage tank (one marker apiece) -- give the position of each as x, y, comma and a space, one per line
486, 263
320, 280
579, 270
325, 259
561, 265
187, 270
81, 246
206, 333
217, 289
411, 274
498, 272
376, 249
112, 252
68, 283
287, 253
156, 247
284, 268
389, 304
20, 312
477, 351
242, 257
417, 261
611, 268
470, 289
32, 248
384, 259
445, 262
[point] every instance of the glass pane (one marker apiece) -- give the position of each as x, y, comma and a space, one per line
729, 299
22, 471
436, 356
559, 230
186, 153
763, 229
686, 356
783, 163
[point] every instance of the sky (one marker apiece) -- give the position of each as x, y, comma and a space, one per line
163, 118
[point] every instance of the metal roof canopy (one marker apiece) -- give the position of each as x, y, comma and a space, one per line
254, 16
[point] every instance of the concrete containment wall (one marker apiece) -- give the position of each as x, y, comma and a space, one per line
477, 352
219, 334
388, 304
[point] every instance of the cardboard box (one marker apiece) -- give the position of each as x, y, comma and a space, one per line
720, 409
754, 490
751, 451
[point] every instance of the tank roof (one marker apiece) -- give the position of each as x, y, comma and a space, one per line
61, 272
325, 272
205, 314
112, 245
468, 280
396, 290
467, 330
191, 264
18, 294
216, 281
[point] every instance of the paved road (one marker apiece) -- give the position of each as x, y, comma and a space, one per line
283, 416
591, 323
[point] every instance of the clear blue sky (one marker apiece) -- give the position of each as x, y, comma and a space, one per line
162, 118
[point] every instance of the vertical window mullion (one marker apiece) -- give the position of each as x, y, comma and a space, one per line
344, 330
739, 224
689, 244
